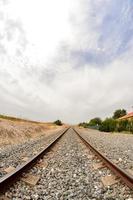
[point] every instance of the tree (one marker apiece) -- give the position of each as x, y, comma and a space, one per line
83, 124
58, 122
119, 113
95, 121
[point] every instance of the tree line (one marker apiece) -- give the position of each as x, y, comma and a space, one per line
110, 124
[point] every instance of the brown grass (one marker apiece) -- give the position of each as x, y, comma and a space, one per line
14, 130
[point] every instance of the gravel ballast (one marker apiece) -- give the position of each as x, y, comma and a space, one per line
69, 174
15, 155
116, 146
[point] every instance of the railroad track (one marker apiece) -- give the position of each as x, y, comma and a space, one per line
123, 175
9, 179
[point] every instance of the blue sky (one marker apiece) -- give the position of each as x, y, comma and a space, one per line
111, 24
72, 60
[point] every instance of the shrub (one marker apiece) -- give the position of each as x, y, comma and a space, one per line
111, 125
122, 125
108, 125
58, 122
84, 124
130, 126
95, 121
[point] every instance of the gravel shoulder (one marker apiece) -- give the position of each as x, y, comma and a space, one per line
117, 147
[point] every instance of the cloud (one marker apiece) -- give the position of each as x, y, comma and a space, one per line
73, 65
102, 36
13, 40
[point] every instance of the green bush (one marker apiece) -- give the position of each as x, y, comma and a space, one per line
84, 124
111, 125
130, 126
108, 125
58, 122
95, 122
122, 125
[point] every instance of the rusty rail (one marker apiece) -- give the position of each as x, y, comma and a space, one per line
10, 178
124, 176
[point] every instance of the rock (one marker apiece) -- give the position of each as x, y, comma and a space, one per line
120, 159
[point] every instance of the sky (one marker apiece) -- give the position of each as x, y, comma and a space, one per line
63, 59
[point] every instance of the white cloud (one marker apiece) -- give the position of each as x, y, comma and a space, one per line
46, 24
62, 70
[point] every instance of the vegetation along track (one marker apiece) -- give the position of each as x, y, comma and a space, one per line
127, 179
9, 178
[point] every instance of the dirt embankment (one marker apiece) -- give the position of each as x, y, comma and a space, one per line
12, 132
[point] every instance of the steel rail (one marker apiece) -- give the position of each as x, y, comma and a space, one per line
124, 176
10, 178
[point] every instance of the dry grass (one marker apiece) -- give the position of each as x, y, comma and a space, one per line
13, 130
